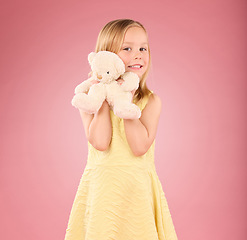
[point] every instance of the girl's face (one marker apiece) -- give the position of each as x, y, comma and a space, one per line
134, 51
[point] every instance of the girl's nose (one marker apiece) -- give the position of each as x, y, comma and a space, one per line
137, 55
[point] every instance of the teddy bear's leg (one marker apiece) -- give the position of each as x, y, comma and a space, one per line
125, 109
92, 101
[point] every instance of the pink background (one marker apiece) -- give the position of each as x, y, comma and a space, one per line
199, 71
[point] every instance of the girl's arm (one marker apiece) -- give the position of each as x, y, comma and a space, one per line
140, 133
98, 128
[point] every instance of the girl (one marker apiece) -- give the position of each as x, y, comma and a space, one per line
120, 196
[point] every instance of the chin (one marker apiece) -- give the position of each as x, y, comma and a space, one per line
140, 75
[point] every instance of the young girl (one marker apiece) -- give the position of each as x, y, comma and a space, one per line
120, 196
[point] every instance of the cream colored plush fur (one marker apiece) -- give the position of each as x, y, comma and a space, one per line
107, 67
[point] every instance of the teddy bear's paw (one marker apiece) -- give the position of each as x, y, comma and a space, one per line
85, 103
83, 87
131, 81
127, 111
127, 76
79, 89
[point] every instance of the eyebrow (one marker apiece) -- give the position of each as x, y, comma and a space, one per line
132, 42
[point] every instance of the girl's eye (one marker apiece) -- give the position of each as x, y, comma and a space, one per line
127, 49
143, 49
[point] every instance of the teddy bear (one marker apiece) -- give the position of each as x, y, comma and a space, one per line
107, 67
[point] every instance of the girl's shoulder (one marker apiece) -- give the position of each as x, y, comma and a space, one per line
153, 95
152, 100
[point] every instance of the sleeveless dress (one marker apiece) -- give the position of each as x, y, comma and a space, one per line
120, 196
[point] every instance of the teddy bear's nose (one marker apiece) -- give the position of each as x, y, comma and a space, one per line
99, 76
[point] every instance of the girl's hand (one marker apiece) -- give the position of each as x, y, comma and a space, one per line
95, 81
120, 81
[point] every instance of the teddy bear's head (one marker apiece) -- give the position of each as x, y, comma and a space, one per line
106, 66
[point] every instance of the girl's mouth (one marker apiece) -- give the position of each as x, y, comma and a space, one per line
137, 66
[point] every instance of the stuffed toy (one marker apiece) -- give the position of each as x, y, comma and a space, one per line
107, 67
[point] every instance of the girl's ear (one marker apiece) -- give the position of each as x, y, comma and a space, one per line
91, 57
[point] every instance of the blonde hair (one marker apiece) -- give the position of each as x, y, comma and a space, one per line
111, 38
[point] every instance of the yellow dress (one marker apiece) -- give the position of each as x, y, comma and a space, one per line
120, 196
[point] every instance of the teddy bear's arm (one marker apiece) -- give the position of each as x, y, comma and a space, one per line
131, 81
84, 86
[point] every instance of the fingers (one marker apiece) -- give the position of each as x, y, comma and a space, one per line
120, 81
94, 81
133, 92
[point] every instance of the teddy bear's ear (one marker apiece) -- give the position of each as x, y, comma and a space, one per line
91, 57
